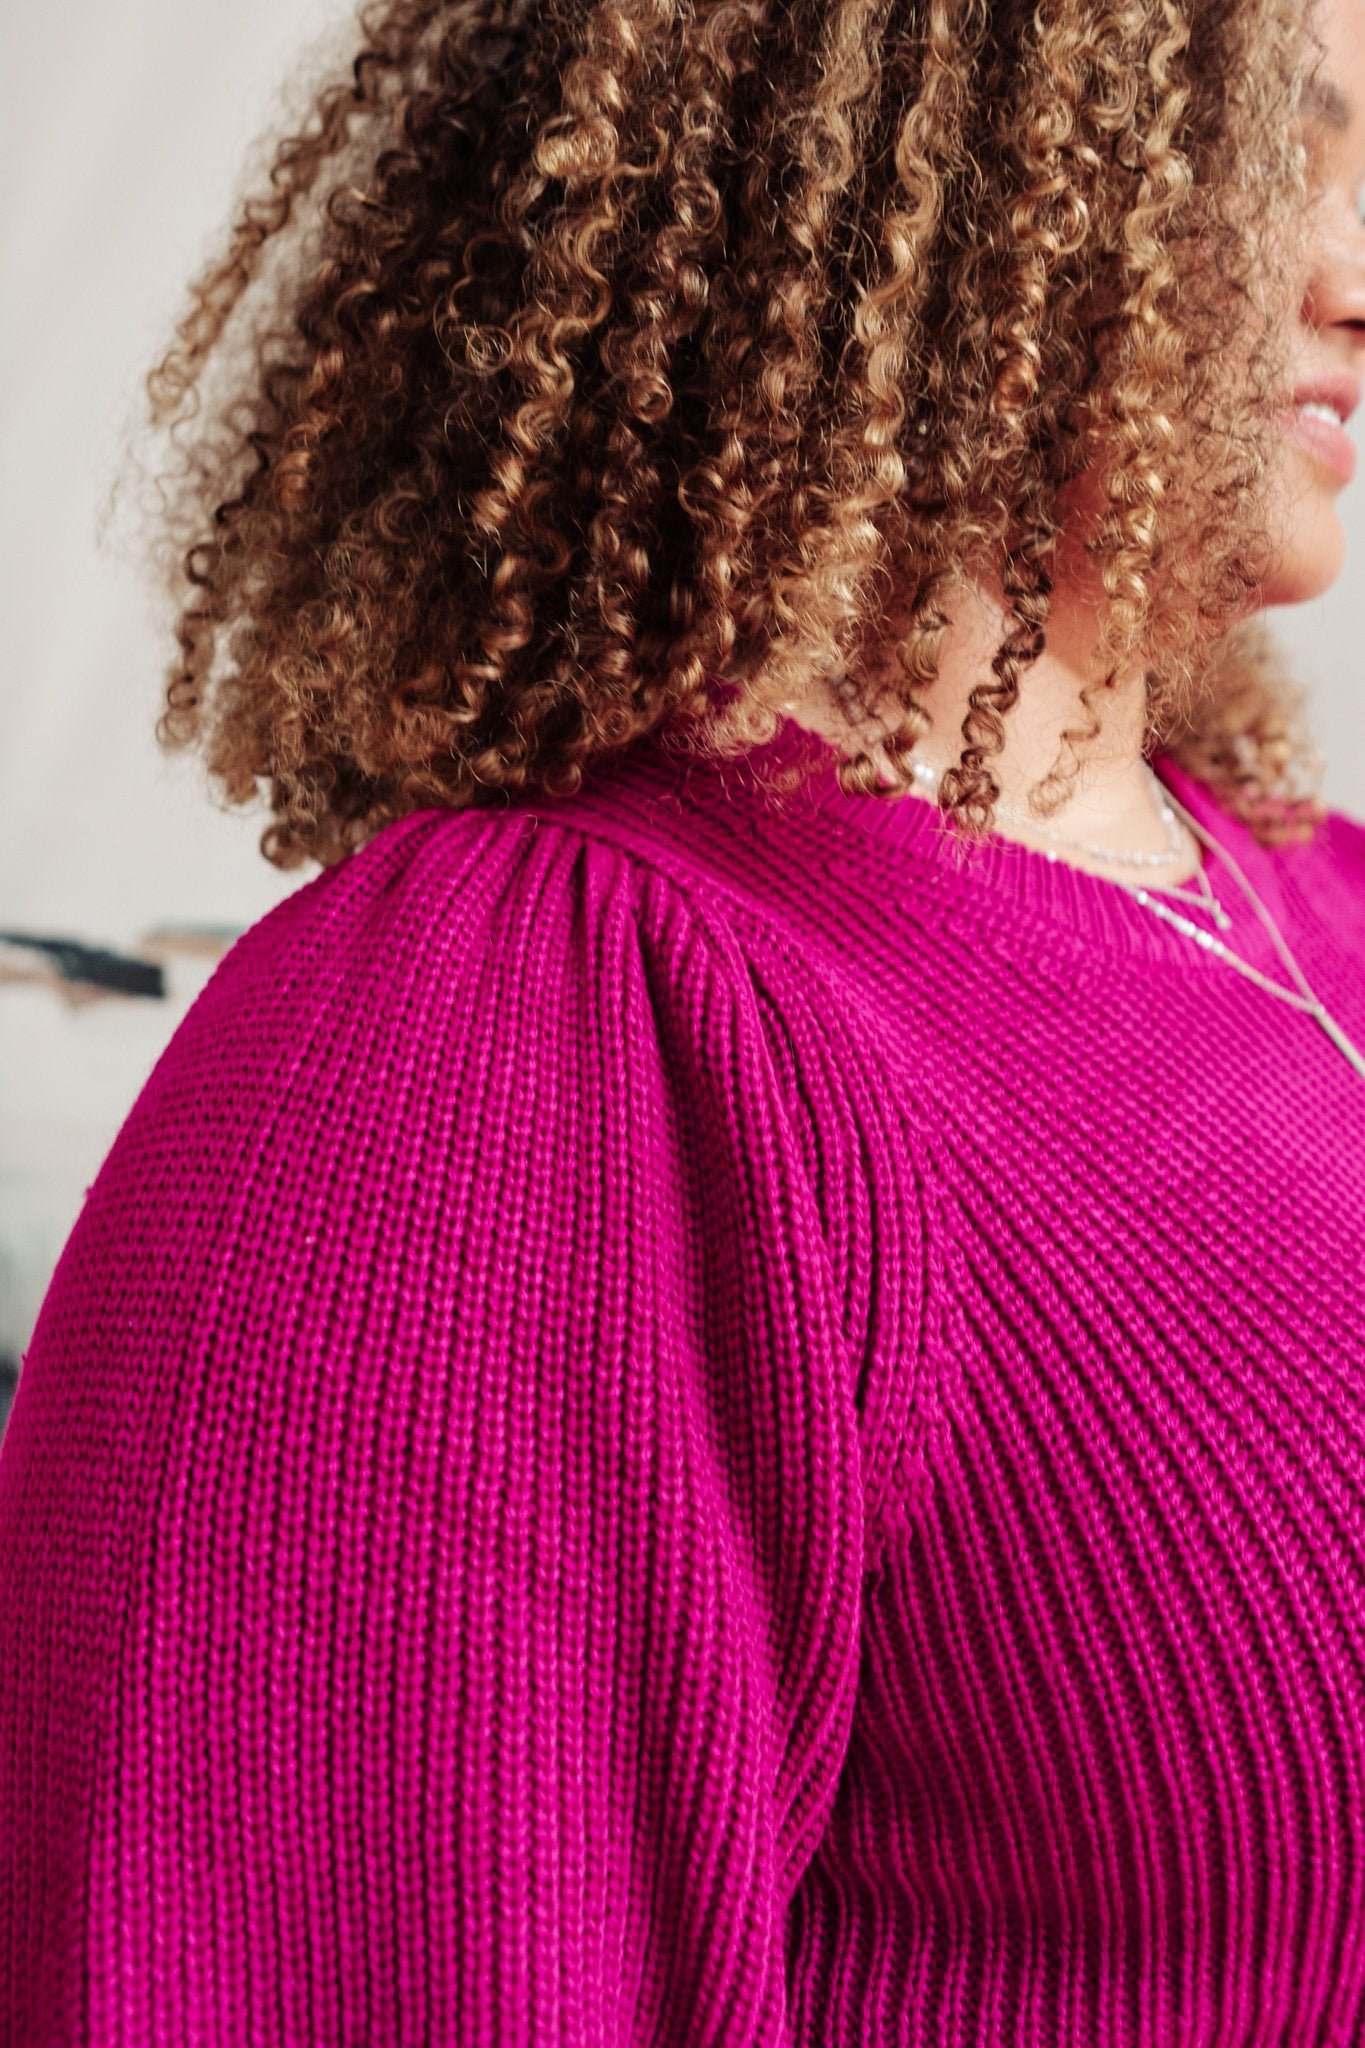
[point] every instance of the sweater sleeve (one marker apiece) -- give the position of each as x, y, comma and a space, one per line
431, 1510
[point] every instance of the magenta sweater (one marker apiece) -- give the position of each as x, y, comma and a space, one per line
675, 1420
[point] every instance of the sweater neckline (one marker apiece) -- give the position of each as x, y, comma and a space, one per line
1002, 883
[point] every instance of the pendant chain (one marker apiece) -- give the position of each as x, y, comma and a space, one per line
1170, 808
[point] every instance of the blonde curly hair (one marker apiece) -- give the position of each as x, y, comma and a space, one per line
578, 353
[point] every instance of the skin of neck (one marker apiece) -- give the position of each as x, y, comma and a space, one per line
1111, 802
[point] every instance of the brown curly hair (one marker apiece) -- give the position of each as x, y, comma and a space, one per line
580, 352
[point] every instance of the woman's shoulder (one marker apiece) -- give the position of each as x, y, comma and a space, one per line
385, 982
442, 907
1329, 870
476, 979
1340, 842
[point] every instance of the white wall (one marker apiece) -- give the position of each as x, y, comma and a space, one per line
124, 135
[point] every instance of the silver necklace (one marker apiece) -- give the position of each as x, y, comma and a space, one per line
1177, 845
1168, 808
932, 776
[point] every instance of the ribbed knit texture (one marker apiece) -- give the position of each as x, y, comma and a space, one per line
675, 1420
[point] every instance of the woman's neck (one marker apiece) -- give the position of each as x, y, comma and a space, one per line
1112, 804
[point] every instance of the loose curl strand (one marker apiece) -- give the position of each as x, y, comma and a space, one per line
573, 355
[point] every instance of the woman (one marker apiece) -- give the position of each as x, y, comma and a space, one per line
704, 1402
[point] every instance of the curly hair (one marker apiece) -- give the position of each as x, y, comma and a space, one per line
579, 353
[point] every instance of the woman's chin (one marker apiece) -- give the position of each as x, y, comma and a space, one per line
1310, 562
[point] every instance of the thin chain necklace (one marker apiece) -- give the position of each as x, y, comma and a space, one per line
1203, 898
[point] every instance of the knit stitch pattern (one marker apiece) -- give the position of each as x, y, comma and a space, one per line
675, 1420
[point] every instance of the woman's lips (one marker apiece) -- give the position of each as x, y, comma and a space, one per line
1323, 403
1327, 441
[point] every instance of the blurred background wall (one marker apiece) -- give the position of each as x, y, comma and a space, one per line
127, 130
126, 133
